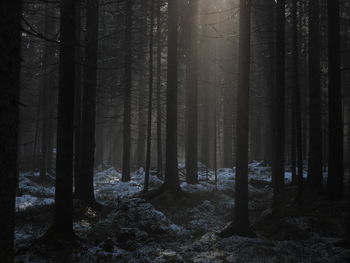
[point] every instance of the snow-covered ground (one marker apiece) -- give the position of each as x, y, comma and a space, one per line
108, 184
167, 230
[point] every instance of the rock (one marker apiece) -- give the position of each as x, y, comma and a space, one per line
169, 256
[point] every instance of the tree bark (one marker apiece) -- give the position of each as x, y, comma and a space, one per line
85, 185
10, 46
150, 97
192, 94
279, 118
127, 92
240, 224
315, 101
335, 183
296, 104
159, 85
171, 180
63, 215
48, 61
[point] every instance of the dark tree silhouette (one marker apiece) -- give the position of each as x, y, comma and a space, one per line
296, 108
240, 224
127, 91
279, 102
85, 185
10, 46
159, 84
315, 101
192, 94
171, 180
47, 94
63, 216
150, 98
335, 183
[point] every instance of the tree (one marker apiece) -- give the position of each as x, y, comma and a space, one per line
228, 128
85, 185
47, 95
240, 224
150, 98
63, 216
192, 94
10, 46
315, 101
159, 84
127, 91
78, 94
335, 183
296, 108
279, 110
171, 180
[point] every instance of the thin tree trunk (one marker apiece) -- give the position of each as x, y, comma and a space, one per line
192, 95
127, 92
159, 85
78, 97
228, 128
48, 56
150, 97
296, 102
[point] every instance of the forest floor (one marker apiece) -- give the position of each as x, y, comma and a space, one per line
166, 229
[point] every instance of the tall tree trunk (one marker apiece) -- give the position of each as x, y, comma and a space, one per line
127, 92
85, 176
298, 151
268, 150
10, 46
141, 134
240, 224
36, 143
78, 94
159, 85
192, 94
63, 216
150, 97
335, 183
279, 99
47, 94
315, 101
228, 128
171, 180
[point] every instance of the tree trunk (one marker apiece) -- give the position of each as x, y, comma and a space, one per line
335, 183
85, 176
279, 99
10, 46
159, 85
63, 216
298, 151
192, 94
315, 101
171, 180
240, 224
78, 95
150, 97
47, 94
127, 92
228, 128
